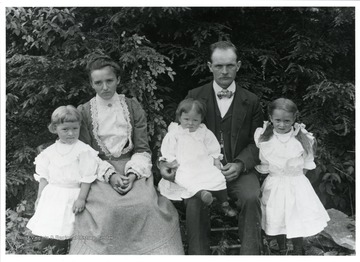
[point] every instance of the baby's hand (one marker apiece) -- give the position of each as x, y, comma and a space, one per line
78, 206
217, 163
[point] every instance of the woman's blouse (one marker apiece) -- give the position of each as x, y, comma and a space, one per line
117, 127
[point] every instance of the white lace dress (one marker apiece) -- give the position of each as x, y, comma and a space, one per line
64, 167
195, 153
289, 203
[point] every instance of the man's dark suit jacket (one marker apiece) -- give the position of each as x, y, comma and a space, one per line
246, 117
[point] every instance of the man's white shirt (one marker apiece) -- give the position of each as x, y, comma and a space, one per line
225, 102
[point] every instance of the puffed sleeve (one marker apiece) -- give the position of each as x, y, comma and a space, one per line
88, 166
263, 168
41, 167
168, 145
212, 145
259, 131
309, 162
92, 167
140, 162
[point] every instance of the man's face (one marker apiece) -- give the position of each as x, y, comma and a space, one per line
224, 66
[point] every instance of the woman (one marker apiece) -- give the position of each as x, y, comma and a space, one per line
124, 214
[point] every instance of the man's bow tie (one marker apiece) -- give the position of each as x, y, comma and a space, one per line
224, 93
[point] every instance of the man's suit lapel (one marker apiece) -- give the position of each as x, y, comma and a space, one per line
211, 110
238, 116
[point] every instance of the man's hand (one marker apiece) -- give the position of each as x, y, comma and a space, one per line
168, 170
231, 171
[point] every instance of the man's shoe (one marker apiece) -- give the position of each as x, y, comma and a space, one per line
228, 210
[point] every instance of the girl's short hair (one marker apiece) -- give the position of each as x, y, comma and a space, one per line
186, 105
288, 106
62, 115
97, 62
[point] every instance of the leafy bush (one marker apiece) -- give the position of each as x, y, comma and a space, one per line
47, 50
18, 238
330, 112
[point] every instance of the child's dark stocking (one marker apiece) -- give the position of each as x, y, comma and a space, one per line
281, 240
58, 246
298, 246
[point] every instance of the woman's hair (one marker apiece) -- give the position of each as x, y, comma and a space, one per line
288, 106
62, 115
97, 62
186, 105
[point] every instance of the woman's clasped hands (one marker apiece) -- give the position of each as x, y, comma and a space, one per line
121, 183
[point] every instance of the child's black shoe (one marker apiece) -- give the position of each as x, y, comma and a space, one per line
206, 197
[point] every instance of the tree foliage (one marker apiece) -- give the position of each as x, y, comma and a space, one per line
305, 54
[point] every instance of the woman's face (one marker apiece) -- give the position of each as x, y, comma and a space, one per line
105, 82
282, 120
190, 120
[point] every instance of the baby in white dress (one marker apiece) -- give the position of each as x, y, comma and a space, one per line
290, 207
65, 171
192, 154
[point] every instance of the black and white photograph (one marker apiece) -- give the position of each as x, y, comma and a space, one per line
178, 129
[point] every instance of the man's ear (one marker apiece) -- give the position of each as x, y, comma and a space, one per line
209, 65
238, 65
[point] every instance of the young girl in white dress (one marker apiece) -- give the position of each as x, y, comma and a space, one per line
192, 155
290, 207
64, 171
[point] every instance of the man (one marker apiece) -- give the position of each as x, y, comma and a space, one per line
233, 114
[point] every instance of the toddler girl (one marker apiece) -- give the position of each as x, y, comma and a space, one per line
290, 206
192, 155
64, 171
